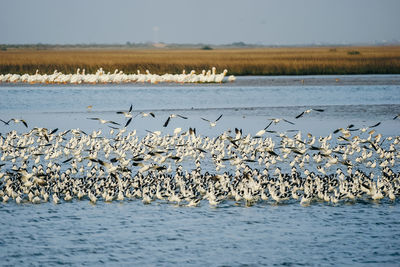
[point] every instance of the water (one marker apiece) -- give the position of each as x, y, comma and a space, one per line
248, 103
78, 233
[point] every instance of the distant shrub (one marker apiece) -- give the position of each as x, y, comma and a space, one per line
3, 48
333, 50
354, 52
240, 44
206, 47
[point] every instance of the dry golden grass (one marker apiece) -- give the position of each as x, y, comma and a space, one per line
257, 61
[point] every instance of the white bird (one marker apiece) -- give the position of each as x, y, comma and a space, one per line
173, 116
15, 121
104, 121
277, 121
309, 111
213, 123
231, 78
127, 114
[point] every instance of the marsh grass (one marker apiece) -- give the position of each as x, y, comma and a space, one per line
256, 61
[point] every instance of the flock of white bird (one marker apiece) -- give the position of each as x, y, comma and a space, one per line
100, 76
186, 168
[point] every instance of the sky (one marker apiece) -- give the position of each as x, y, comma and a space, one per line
264, 22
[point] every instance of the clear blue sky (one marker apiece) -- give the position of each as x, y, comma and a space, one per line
269, 22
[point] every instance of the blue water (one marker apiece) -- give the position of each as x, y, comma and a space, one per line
131, 233
248, 104
247, 92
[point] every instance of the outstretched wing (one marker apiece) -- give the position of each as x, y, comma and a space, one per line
180, 116
373, 126
24, 122
268, 125
166, 122
220, 116
5, 122
127, 123
113, 122
301, 114
288, 121
93, 119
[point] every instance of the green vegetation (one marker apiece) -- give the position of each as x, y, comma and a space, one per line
206, 47
353, 52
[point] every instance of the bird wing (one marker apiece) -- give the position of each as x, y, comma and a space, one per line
24, 122
319, 110
130, 109
154, 133
373, 126
192, 131
301, 114
152, 114
5, 122
112, 127
238, 131
127, 123
271, 152
65, 161
220, 116
166, 122
201, 150
268, 125
205, 119
183, 117
113, 122
288, 121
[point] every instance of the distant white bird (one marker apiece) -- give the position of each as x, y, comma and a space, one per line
177, 130
15, 121
144, 114
308, 111
213, 123
220, 77
127, 114
277, 121
173, 116
231, 78
104, 121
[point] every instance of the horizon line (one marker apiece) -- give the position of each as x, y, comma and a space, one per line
204, 45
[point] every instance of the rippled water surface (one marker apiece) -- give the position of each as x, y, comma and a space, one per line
131, 233
162, 234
